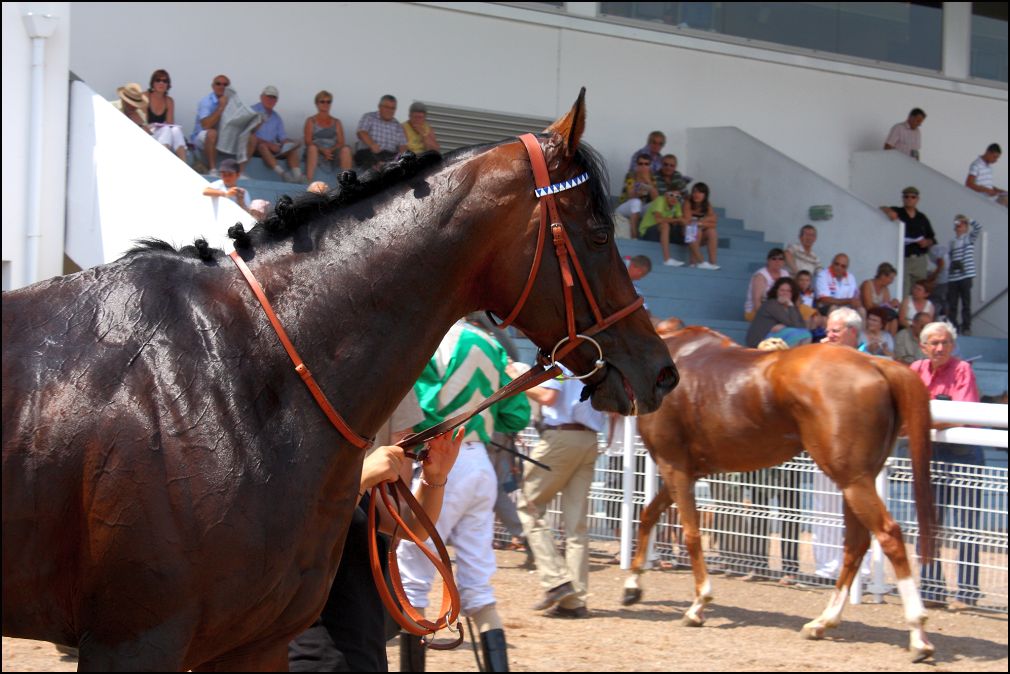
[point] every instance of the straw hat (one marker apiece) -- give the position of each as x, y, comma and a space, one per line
132, 94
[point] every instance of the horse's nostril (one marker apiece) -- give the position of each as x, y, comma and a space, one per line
668, 379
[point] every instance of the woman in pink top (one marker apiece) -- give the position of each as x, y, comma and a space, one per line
950, 378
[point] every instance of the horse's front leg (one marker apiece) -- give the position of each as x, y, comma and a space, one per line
650, 516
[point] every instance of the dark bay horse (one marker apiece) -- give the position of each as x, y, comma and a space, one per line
738, 410
173, 498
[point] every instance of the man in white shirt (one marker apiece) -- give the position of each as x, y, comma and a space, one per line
836, 287
905, 137
570, 446
980, 175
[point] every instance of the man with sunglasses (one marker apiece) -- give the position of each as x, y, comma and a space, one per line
654, 149
836, 287
919, 236
380, 136
208, 117
270, 141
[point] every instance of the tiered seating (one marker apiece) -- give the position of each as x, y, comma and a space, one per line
715, 298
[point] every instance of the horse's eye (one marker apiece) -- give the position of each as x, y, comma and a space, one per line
599, 236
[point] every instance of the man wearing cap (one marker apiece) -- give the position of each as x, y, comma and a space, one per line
380, 136
919, 236
420, 136
270, 140
227, 185
208, 117
905, 137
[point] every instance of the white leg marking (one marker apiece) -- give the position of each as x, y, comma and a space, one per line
914, 611
632, 582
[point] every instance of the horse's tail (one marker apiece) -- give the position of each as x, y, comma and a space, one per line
912, 400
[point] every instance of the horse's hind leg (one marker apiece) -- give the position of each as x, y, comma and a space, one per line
681, 486
866, 505
650, 516
857, 540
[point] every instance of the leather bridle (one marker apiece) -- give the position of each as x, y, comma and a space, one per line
567, 258
546, 368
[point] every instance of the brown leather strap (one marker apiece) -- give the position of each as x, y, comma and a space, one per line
408, 617
300, 367
538, 374
569, 427
566, 255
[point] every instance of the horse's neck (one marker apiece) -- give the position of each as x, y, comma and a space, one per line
371, 307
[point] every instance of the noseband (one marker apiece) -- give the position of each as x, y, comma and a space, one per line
567, 259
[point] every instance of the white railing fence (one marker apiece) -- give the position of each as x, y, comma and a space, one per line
786, 522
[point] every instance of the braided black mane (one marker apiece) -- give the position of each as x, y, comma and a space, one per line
291, 214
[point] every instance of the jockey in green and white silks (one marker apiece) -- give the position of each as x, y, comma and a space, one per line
468, 366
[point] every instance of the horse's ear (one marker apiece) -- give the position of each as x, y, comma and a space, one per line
571, 126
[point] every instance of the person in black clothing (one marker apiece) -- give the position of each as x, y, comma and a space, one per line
919, 236
350, 634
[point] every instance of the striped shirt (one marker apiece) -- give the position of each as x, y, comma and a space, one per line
467, 367
389, 136
962, 249
982, 172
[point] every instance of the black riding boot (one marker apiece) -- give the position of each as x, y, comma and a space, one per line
411, 653
492, 643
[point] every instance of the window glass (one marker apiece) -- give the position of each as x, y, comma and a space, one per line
893, 32
989, 40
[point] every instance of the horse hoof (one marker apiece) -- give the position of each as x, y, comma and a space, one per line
692, 621
812, 632
920, 654
632, 595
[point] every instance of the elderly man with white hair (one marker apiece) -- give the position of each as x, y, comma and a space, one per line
843, 329
950, 378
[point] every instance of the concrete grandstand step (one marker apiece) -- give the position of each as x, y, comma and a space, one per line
990, 377
693, 283
990, 349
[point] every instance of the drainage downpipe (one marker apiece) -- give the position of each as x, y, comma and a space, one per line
39, 27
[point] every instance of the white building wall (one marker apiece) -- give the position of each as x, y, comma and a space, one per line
515, 60
17, 61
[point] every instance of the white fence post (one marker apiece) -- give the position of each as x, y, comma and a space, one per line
628, 489
650, 493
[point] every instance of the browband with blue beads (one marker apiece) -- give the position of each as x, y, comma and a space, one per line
561, 187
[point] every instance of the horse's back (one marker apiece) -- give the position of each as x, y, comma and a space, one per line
722, 410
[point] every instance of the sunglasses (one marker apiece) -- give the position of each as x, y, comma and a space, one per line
221, 84
161, 79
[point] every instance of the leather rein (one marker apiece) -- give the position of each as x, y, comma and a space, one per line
546, 368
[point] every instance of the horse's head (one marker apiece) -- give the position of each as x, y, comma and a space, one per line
564, 276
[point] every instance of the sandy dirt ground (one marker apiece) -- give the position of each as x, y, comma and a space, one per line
751, 627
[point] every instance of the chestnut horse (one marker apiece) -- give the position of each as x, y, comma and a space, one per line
173, 498
756, 409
